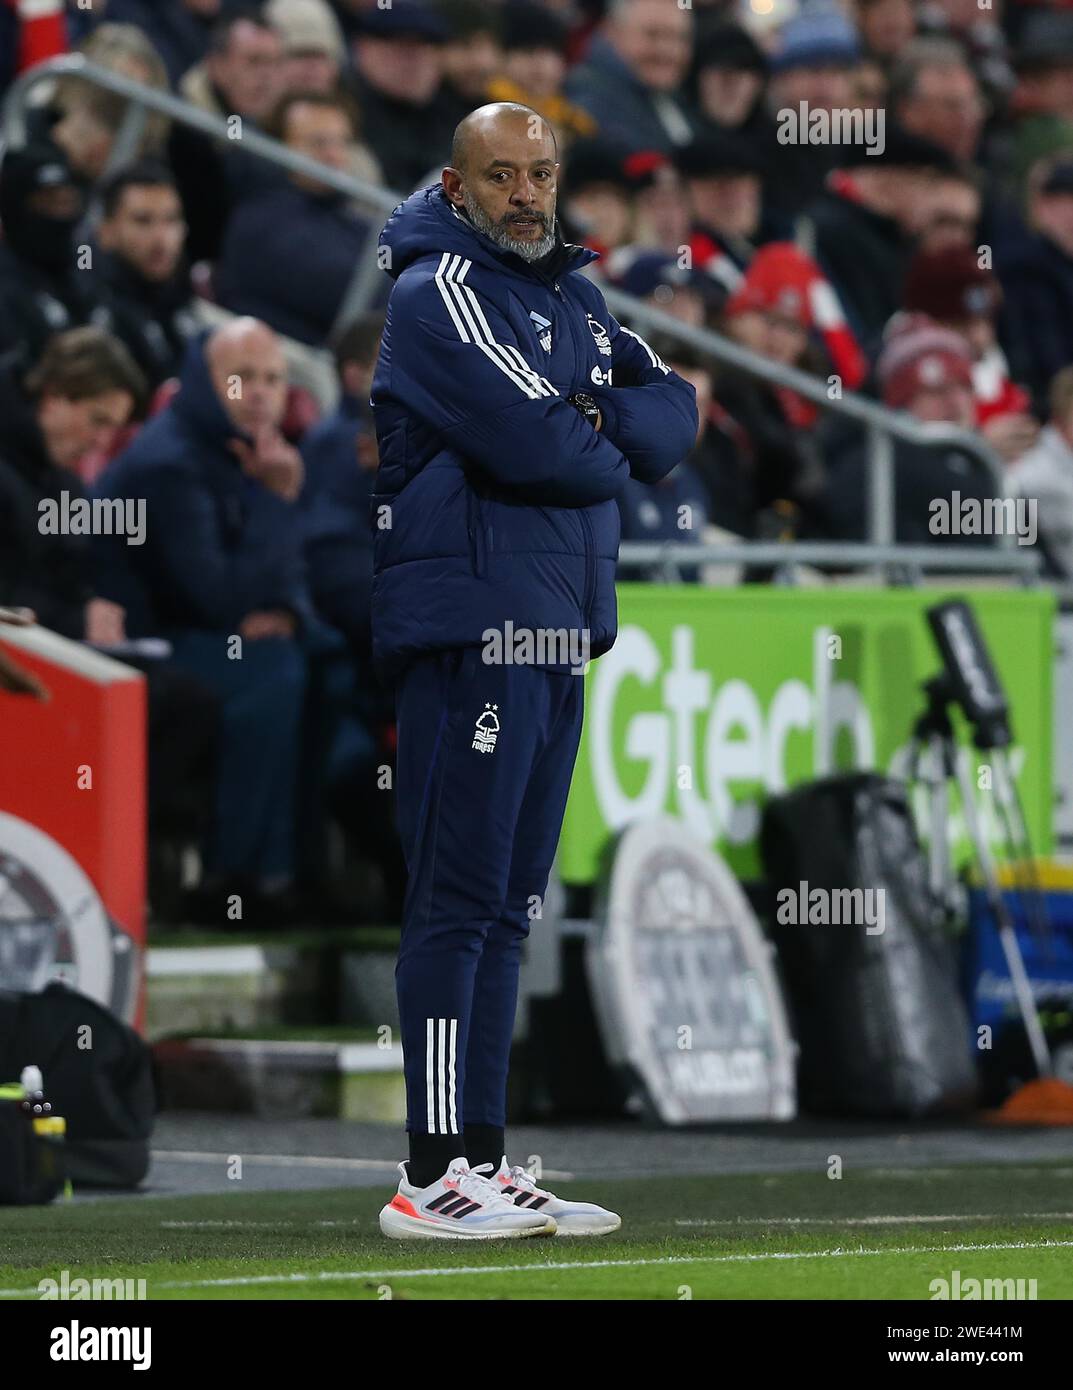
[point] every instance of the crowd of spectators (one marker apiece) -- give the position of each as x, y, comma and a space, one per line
928, 261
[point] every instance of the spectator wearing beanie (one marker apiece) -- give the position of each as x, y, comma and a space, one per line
1041, 108
534, 69
729, 73
634, 72
785, 284
955, 291
935, 93
864, 223
597, 196
314, 50
662, 203
315, 61
472, 54
778, 432
812, 60
927, 371
41, 290
693, 296
406, 112
722, 175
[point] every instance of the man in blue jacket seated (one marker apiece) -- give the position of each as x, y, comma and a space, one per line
511, 410
221, 575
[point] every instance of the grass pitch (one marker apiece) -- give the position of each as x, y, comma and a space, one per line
872, 1234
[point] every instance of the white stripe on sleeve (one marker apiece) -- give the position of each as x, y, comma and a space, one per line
652, 357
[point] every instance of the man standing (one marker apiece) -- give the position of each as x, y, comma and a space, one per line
510, 409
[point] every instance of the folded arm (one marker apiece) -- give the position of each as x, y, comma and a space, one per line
456, 362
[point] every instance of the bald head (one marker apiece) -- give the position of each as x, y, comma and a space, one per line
481, 130
503, 172
249, 373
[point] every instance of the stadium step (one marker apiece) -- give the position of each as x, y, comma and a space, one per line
197, 983
294, 1074
239, 1024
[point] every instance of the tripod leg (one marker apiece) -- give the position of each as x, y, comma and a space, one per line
1017, 837
1007, 935
940, 856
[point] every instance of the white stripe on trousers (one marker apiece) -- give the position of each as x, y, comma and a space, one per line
440, 1050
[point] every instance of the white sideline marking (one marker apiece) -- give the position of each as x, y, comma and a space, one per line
1006, 1169
328, 1276
872, 1220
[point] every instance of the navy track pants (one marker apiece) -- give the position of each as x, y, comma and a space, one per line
485, 758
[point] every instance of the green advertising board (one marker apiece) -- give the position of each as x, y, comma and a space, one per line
712, 699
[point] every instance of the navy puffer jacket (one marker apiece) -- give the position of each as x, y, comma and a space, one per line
495, 498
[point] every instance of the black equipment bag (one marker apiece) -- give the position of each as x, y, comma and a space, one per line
881, 1024
98, 1075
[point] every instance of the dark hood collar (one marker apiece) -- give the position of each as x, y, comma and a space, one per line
158, 295
197, 401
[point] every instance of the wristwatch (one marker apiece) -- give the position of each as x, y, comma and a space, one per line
584, 404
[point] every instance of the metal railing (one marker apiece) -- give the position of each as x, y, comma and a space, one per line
902, 563
882, 425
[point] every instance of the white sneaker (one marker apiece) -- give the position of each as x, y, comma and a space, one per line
571, 1218
462, 1205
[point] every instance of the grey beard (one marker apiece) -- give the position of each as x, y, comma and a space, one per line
495, 231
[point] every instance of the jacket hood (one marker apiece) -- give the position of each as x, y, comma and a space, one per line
197, 401
427, 224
